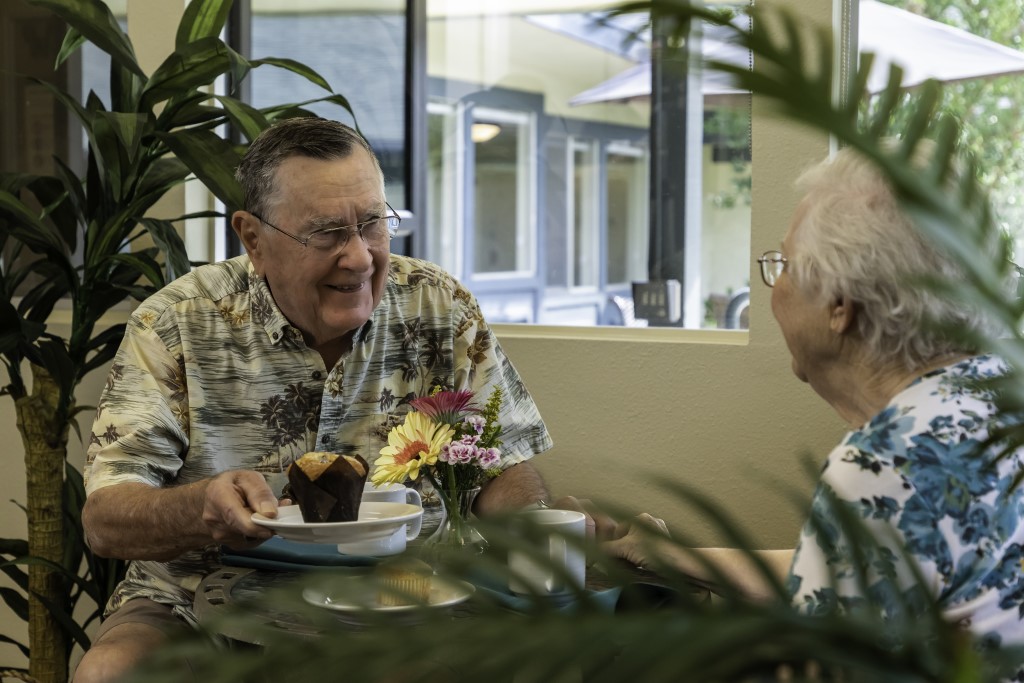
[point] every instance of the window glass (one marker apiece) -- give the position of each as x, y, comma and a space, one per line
444, 186
359, 48
584, 216
554, 212
983, 82
626, 200
503, 192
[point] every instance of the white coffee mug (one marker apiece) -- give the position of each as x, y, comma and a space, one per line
392, 544
527, 576
392, 493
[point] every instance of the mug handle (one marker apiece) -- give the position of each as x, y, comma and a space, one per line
413, 497
412, 529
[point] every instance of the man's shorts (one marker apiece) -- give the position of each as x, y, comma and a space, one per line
148, 612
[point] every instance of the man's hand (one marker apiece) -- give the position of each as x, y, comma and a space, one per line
639, 544
229, 500
600, 526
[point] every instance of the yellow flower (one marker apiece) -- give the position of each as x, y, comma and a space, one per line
411, 445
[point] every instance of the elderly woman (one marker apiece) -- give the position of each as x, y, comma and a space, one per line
860, 330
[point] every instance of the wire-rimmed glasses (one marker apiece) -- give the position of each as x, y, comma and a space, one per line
772, 264
376, 232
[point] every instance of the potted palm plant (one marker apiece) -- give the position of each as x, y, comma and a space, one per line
72, 234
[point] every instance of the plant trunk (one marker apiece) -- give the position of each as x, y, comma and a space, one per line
46, 443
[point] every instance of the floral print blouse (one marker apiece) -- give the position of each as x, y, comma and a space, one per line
212, 377
913, 477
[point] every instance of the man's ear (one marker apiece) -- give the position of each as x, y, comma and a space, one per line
842, 314
247, 227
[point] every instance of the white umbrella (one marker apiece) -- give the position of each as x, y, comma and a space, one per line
922, 47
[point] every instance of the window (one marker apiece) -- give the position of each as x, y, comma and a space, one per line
444, 186
362, 55
537, 170
627, 202
557, 212
503, 188
583, 214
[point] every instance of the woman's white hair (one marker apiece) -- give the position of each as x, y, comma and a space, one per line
855, 240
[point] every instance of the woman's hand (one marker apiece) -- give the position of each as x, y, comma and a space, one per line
639, 544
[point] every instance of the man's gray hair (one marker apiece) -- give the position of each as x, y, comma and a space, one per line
311, 137
855, 240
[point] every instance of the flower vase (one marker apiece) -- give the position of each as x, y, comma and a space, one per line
456, 531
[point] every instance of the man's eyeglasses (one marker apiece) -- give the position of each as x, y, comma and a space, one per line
772, 265
376, 232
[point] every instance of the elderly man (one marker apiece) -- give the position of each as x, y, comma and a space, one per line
890, 356
315, 340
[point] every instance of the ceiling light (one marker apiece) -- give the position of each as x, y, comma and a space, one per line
482, 132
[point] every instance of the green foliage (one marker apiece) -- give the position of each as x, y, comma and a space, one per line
658, 628
989, 110
73, 237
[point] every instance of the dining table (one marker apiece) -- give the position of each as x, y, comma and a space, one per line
278, 565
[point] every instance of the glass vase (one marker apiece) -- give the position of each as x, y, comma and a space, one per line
456, 531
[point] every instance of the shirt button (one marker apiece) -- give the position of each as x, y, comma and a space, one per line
325, 440
317, 374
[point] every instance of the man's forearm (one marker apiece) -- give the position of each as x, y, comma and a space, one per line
517, 486
134, 521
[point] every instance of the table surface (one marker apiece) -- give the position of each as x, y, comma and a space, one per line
234, 584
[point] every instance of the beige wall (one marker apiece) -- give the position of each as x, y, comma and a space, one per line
720, 412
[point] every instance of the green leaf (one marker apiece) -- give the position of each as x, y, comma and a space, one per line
16, 331
161, 176
296, 68
15, 643
213, 160
73, 39
190, 67
147, 267
202, 19
94, 20
28, 229
14, 600
246, 118
170, 243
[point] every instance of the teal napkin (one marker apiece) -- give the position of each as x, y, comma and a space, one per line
280, 554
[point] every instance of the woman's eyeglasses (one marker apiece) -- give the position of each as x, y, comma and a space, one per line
772, 265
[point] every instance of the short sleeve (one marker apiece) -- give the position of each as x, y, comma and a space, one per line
141, 429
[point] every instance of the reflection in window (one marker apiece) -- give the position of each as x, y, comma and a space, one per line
503, 207
556, 217
444, 186
583, 218
361, 54
626, 200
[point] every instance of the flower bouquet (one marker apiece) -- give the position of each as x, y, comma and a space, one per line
455, 446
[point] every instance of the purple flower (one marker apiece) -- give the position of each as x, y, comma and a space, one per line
476, 423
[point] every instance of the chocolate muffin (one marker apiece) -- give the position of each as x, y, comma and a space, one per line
327, 487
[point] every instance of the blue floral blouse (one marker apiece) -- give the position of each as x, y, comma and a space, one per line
912, 477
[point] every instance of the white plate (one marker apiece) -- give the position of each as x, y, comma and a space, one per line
359, 593
376, 520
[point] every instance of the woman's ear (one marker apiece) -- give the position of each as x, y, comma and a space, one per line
843, 312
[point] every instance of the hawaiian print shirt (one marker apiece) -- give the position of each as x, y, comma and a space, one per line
212, 377
912, 476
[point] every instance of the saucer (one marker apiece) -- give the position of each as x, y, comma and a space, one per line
356, 595
376, 520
